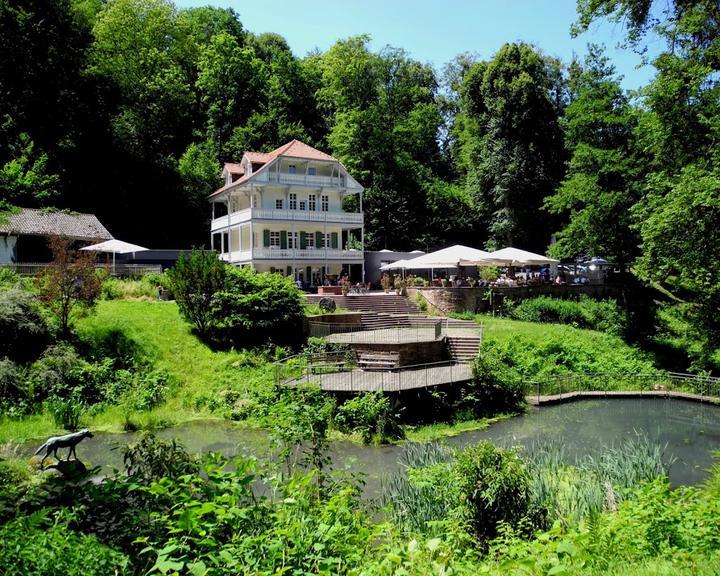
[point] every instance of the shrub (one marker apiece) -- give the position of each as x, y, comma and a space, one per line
66, 412
69, 283
254, 308
371, 415
14, 398
149, 459
495, 386
39, 545
24, 330
602, 315
493, 487
194, 280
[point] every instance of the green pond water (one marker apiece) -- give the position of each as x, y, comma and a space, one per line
689, 432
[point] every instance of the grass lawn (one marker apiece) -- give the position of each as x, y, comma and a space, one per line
154, 331
543, 349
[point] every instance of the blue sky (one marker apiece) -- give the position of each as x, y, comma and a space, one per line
435, 31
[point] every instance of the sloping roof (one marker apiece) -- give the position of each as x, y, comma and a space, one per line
234, 168
293, 149
33, 222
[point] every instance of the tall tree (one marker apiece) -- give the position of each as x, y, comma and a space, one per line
515, 154
599, 188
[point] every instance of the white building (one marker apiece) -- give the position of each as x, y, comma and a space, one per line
283, 212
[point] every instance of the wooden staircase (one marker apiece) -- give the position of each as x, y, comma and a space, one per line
377, 360
463, 348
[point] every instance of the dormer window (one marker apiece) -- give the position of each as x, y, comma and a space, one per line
311, 171
292, 169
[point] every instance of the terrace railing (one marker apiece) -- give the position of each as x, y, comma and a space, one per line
132, 270
570, 384
338, 371
397, 330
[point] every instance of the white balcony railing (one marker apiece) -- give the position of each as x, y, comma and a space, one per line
247, 214
292, 254
303, 180
307, 254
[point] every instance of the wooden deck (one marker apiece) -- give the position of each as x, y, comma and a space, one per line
535, 400
357, 380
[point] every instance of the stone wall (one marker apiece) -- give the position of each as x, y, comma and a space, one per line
410, 353
446, 300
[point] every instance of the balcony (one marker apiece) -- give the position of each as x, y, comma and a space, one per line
303, 180
292, 254
248, 214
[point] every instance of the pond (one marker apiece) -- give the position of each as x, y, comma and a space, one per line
689, 431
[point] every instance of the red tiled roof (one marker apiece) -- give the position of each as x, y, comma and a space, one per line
234, 168
293, 149
259, 157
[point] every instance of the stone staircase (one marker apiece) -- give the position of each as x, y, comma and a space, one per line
387, 303
463, 348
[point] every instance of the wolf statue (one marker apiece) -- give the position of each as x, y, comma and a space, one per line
67, 441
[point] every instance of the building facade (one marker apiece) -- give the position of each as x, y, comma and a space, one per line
282, 212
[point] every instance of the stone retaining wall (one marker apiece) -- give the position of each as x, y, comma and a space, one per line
466, 299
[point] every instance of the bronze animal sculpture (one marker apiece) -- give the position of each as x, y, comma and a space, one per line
68, 441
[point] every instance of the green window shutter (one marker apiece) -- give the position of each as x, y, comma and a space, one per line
289, 271
266, 238
283, 239
318, 240
303, 241
334, 239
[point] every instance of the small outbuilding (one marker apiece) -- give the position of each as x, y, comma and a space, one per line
23, 235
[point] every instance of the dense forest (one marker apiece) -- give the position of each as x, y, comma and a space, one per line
127, 108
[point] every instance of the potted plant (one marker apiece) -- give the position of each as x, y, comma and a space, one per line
385, 283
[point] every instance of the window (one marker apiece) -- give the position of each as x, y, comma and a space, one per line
311, 203
324, 203
293, 240
274, 239
326, 240
310, 240
293, 201
278, 204
311, 170
292, 169
302, 205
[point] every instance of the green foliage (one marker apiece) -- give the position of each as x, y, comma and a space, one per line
149, 459
371, 415
515, 151
145, 288
252, 309
493, 486
299, 420
601, 315
66, 412
599, 188
496, 386
561, 352
194, 280
24, 329
14, 397
40, 545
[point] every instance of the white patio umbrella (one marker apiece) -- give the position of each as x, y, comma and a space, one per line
450, 257
115, 247
398, 264
511, 257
